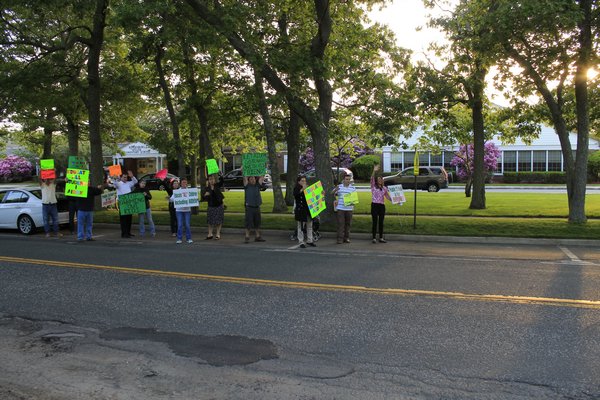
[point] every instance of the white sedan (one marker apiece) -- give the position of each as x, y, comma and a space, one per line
21, 208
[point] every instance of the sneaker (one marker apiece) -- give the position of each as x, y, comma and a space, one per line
190, 241
382, 241
346, 240
259, 239
374, 240
302, 246
312, 244
91, 240
178, 241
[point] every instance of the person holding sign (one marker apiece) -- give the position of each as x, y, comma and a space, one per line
302, 213
85, 213
49, 206
253, 201
141, 188
344, 191
184, 216
215, 212
124, 186
170, 185
379, 192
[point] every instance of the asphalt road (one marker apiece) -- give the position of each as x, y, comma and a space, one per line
399, 320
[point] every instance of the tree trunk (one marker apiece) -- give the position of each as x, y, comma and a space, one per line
206, 151
584, 62
95, 91
468, 186
72, 135
279, 205
171, 110
293, 161
48, 131
479, 172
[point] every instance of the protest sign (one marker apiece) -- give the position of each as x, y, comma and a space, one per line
254, 164
186, 198
47, 164
114, 170
132, 203
351, 198
397, 194
76, 162
162, 174
109, 199
315, 198
212, 167
77, 182
48, 174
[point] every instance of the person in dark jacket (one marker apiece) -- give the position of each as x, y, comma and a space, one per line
302, 214
215, 212
141, 188
85, 213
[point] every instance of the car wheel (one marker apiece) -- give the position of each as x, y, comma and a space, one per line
25, 225
433, 187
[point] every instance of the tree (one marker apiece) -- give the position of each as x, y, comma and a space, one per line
463, 160
554, 43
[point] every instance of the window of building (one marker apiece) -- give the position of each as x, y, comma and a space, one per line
424, 158
539, 160
396, 161
448, 156
435, 159
510, 161
524, 161
554, 160
409, 159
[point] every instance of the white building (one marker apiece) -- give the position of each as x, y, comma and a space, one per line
139, 158
543, 154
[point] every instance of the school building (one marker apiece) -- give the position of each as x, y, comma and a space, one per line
542, 154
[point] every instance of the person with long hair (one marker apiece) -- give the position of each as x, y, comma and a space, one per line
302, 214
379, 192
215, 211
173, 184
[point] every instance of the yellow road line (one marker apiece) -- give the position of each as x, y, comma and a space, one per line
557, 302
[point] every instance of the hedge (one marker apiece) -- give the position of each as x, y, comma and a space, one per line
362, 167
535, 177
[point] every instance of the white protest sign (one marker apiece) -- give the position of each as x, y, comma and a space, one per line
109, 199
185, 198
397, 194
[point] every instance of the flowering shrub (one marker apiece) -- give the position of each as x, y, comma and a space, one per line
464, 159
15, 168
307, 159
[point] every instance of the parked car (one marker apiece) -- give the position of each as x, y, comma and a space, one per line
21, 208
153, 183
431, 179
235, 180
311, 175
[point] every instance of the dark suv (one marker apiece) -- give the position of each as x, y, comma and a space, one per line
431, 179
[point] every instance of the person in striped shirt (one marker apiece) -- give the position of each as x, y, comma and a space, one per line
344, 211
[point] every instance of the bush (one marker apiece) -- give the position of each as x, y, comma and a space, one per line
362, 167
15, 168
535, 177
593, 165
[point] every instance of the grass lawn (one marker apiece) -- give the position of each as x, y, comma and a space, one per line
540, 215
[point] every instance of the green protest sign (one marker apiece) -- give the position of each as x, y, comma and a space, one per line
254, 164
77, 162
47, 164
132, 203
315, 198
351, 198
211, 166
77, 182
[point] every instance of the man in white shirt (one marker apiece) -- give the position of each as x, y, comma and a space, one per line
125, 186
49, 206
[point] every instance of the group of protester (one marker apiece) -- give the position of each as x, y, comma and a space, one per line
212, 194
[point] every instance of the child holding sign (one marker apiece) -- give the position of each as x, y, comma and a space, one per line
344, 209
379, 192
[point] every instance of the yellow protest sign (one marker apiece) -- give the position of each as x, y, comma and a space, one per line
351, 198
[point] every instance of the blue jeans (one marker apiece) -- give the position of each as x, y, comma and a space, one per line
85, 219
148, 215
184, 217
50, 212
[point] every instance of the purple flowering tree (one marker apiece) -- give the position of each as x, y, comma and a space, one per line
342, 160
463, 160
15, 168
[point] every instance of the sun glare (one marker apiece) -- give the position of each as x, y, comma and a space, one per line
592, 73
